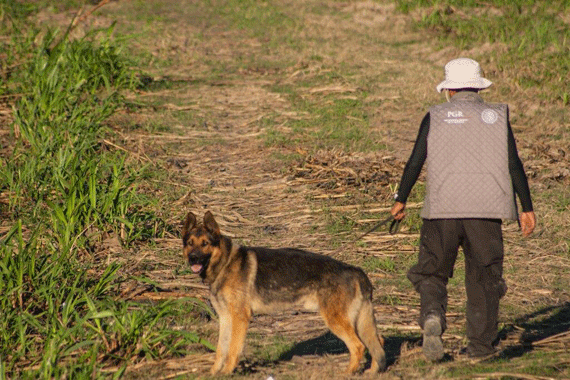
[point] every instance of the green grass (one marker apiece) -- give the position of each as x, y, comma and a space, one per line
535, 33
58, 317
271, 348
375, 264
339, 223
62, 314
330, 121
263, 20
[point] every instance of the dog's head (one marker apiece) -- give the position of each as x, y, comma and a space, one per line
201, 242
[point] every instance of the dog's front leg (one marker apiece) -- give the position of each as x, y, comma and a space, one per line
240, 316
224, 339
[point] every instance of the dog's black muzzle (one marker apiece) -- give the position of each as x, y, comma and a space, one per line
198, 261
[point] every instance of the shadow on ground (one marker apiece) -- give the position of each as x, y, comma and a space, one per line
329, 344
326, 344
538, 326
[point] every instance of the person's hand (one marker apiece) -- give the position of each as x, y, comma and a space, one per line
398, 210
528, 222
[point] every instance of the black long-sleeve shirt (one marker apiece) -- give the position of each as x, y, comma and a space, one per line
419, 154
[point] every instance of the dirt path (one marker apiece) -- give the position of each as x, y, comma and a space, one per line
215, 150
260, 200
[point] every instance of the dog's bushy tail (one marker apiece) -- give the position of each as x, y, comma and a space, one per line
366, 330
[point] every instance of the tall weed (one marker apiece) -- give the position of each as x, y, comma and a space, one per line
58, 167
60, 317
57, 318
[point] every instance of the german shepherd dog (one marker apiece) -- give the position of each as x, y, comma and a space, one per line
246, 280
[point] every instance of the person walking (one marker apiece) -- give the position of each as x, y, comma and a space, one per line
473, 174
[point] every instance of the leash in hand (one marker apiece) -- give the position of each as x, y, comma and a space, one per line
394, 228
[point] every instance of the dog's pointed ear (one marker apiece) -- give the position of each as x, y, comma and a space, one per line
189, 223
211, 224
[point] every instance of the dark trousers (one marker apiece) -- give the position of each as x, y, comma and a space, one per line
482, 243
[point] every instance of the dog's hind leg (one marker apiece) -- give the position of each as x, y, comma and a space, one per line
366, 329
337, 319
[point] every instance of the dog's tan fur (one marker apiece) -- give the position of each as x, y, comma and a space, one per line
246, 280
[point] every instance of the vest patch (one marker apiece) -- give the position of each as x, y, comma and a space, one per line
455, 117
489, 116
456, 121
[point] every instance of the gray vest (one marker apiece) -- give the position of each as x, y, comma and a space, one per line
467, 161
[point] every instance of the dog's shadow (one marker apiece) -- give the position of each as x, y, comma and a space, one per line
329, 344
325, 344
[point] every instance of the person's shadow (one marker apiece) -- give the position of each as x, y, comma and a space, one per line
547, 322
538, 326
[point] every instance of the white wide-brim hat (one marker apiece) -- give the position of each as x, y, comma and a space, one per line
463, 73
